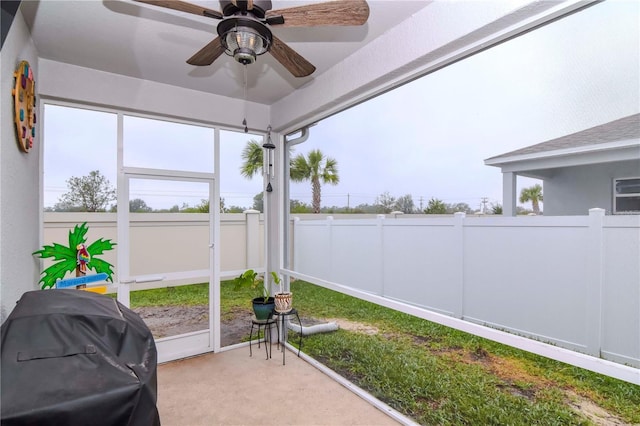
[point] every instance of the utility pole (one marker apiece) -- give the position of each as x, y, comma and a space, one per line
421, 198
485, 200
348, 199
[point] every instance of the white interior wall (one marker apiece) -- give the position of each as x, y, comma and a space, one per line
72, 83
19, 179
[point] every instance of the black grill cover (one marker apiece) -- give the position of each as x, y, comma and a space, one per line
72, 357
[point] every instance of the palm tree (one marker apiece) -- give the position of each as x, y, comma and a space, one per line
533, 194
77, 256
316, 168
252, 157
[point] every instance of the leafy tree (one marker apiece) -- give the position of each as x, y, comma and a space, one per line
138, 205
296, 206
385, 203
316, 168
496, 208
203, 207
235, 209
365, 208
66, 207
258, 202
436, 206
521, 210
90, 193
533, 194
405, 204
66, 258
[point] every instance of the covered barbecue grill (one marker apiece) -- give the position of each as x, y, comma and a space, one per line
72, 357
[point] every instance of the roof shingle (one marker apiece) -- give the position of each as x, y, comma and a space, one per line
618, 130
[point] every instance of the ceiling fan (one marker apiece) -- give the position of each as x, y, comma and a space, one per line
244, 28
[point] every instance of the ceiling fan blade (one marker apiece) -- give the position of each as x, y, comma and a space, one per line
183, 6
338, 12
290, 59
207, 54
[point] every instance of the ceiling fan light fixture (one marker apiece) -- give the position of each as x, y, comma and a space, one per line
244, 38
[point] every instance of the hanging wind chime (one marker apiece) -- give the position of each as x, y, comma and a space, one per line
269, 147
244, 121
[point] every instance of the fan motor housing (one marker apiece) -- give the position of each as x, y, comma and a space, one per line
245, 54
230, 8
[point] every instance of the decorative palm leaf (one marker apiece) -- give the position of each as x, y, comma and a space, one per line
56, 272
57, 251
67, 257
100, 246
100, 266
77, 236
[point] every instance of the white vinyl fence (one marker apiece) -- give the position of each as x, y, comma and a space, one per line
572, 281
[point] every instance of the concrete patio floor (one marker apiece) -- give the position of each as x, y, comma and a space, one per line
232, 388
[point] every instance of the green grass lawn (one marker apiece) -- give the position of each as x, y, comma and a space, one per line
435, 374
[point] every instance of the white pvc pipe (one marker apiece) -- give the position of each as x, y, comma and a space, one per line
313, 329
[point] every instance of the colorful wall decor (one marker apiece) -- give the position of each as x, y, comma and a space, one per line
24, 101
78, 256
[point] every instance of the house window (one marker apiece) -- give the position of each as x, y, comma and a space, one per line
626, 196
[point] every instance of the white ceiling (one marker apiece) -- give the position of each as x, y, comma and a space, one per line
153, 43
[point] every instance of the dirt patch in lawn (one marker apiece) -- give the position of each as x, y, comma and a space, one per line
354, 326
166, 321
593, 412
519, 382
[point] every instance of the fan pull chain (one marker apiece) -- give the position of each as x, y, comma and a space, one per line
244, 122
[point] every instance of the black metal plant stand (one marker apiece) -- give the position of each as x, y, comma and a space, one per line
280, 319
266, 324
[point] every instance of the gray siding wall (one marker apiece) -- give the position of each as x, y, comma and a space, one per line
575, 190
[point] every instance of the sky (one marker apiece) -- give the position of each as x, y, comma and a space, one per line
428, 138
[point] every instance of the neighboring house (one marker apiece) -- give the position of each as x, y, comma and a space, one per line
596, 167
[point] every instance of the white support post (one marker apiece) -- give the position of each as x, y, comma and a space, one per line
381, 219
252, 218
509, 196
329, 222
458, 262
594, 283
296, 243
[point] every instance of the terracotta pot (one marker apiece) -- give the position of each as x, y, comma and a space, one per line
283, 302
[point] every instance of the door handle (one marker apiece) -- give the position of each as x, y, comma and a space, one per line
149, 279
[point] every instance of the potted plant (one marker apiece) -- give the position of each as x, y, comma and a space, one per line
283, 300
263, 303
